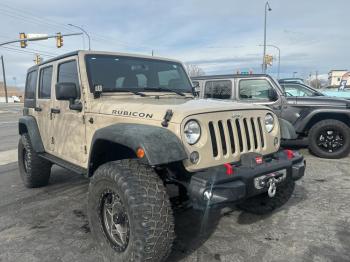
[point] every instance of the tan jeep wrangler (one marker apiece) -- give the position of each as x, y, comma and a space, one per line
133, 126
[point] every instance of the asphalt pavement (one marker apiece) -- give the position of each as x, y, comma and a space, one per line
50, 224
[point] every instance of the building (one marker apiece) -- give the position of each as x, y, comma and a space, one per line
336, 76
11, 92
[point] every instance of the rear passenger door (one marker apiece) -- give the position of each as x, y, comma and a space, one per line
43, 106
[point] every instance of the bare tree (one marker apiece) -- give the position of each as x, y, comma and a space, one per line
194, 70
316, 83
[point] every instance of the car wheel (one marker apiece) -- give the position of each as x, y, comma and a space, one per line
330, 139
129, 212
263, 204
34, 170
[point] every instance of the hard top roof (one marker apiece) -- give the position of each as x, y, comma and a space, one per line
77, 52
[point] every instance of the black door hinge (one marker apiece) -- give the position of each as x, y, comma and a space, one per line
168, 115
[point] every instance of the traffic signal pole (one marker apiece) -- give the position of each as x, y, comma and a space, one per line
4, 77
36, 38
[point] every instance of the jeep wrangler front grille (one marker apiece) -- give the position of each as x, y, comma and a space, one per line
236, 136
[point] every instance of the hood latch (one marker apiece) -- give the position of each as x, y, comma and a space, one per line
168, 115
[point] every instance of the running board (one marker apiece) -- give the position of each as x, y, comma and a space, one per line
63, 163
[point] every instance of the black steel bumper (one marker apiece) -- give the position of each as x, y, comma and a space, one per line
223, 188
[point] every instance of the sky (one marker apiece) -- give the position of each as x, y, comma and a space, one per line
220, 36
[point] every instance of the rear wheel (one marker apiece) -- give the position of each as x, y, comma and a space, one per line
34, 170
129, 212
263, 204
330, 139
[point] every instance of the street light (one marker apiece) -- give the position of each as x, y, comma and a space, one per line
267, 8
86, 33
279, 59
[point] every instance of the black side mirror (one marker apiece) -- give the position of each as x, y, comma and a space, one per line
68, 92
273, 95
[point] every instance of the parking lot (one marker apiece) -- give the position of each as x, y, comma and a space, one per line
50, 224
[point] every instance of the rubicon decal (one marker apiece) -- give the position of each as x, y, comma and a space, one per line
131, 113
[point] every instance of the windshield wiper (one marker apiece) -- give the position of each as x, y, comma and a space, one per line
131, 91
164, 89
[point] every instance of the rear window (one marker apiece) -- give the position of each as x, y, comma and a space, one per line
221, 89
31, 85
254, 89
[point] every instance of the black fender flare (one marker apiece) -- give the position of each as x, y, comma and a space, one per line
28, 124
302, 123
160, 145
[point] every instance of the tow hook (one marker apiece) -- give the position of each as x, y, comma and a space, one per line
272, 187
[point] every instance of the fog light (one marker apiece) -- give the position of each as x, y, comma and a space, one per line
207, 194
194, 157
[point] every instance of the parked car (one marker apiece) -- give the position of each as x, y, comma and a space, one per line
322, 123
291, 80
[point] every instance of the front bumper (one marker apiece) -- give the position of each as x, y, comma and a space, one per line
214, 186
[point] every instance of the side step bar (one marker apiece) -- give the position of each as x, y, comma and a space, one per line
62, 163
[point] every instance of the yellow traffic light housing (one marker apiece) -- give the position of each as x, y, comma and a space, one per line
23, 43
59, 40
268, 60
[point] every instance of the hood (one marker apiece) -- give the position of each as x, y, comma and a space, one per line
320, 101
156, 108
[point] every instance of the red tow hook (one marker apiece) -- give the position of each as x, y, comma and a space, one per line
289, 153
229, 169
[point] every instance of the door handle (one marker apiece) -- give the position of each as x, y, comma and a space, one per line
38, 109
55, 110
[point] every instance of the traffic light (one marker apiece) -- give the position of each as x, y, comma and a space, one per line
37, 59
59, 40
24, 42
268, 60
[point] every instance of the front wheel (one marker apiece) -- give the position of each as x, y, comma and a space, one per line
263, 204
129, 212
330, 139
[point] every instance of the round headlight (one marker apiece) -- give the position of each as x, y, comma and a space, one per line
269, 122
192, 132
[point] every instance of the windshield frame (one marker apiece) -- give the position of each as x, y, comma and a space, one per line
139, 89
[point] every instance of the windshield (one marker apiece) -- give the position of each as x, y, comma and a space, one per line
121, 73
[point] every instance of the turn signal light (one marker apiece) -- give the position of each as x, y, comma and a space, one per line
289, 153
229, 169
140, 153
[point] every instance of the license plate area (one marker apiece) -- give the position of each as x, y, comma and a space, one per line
262, 182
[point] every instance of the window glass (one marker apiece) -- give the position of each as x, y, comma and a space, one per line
297, 90
221, 89
31, 85
45, 83
254, 89
115, 73
68, 72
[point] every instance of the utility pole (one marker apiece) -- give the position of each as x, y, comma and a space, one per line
316, 79
4, 76
267, 8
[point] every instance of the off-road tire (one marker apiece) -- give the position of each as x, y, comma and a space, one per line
334, 124
263, 204
147, 206
36, 173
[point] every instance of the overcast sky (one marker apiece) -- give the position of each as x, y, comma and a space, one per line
220, 36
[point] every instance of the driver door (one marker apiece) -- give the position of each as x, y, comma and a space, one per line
257, 91
69, 125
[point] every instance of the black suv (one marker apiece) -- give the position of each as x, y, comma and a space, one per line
322, 123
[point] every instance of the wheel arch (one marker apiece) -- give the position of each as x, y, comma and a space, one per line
305, 124
28, 124
121, 141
